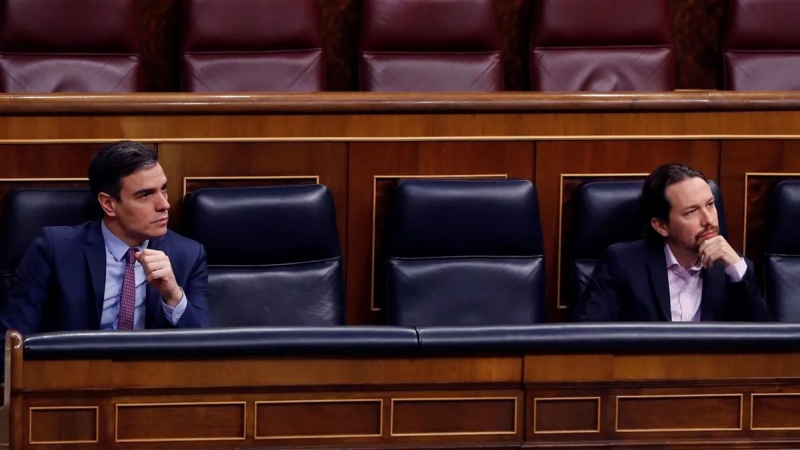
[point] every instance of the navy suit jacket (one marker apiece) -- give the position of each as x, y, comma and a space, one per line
59, 284
630, 283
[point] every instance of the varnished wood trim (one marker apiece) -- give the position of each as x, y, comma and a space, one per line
379, 401
453, 399
140, 405
557, 399
779, 394
659, 430
509, 138
40, 180
372, 102
375, 179
96, 410
559, 305
254, 177
747, 176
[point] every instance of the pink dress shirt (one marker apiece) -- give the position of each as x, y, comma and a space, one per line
686, 286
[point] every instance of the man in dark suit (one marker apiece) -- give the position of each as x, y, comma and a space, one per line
683, 272
126, 271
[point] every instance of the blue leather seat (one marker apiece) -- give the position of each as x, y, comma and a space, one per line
28, 210
273, 255
465, 253
607, 212
782, 252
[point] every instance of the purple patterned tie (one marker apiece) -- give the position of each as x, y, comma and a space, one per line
127, 301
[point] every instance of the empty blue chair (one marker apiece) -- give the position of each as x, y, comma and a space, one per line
273, 255
782, 252
465, 253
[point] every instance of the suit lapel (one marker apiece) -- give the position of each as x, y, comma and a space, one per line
713, 297
657, 267
153, 309
95, 253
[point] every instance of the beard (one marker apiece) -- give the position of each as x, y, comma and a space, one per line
700, 237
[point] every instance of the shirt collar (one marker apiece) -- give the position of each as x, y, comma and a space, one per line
673, 262
115, 246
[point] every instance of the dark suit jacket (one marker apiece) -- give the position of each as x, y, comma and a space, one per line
59, 284
630, 284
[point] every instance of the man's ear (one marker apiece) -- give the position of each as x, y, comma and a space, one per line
107, 203
660, 226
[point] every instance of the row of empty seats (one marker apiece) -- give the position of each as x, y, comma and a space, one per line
405, 45
459, 252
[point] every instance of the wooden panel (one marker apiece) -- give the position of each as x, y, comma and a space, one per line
453, 416
697, 37
595, 158
746, 182
159, 39
281, 372
544, 118
554, 368
373, 163
156, 422
775, 412
46, 160
514, 21
191, 184
62, 425
660, 368
669, 413
339, 21
296, 161
666, 401
566, 415
318, 419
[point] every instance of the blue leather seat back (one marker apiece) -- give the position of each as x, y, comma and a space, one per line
273, 255
465, 253
607, 212
298, 294
28, 210
782, 252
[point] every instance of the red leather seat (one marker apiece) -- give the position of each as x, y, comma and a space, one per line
252, 45
762, 45
601, 45
430, 45
69, 46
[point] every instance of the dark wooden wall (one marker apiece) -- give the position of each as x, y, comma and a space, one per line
359, 154
697, 31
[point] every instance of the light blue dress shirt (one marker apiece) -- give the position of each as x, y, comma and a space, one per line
115, 272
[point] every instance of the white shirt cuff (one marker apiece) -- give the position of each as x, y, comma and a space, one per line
174, 314
736, 272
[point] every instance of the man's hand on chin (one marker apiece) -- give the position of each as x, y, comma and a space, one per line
716, 249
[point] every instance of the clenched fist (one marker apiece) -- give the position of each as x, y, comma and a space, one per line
158, 271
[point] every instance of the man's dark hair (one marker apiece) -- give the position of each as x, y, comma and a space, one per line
653, 199
116, 161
